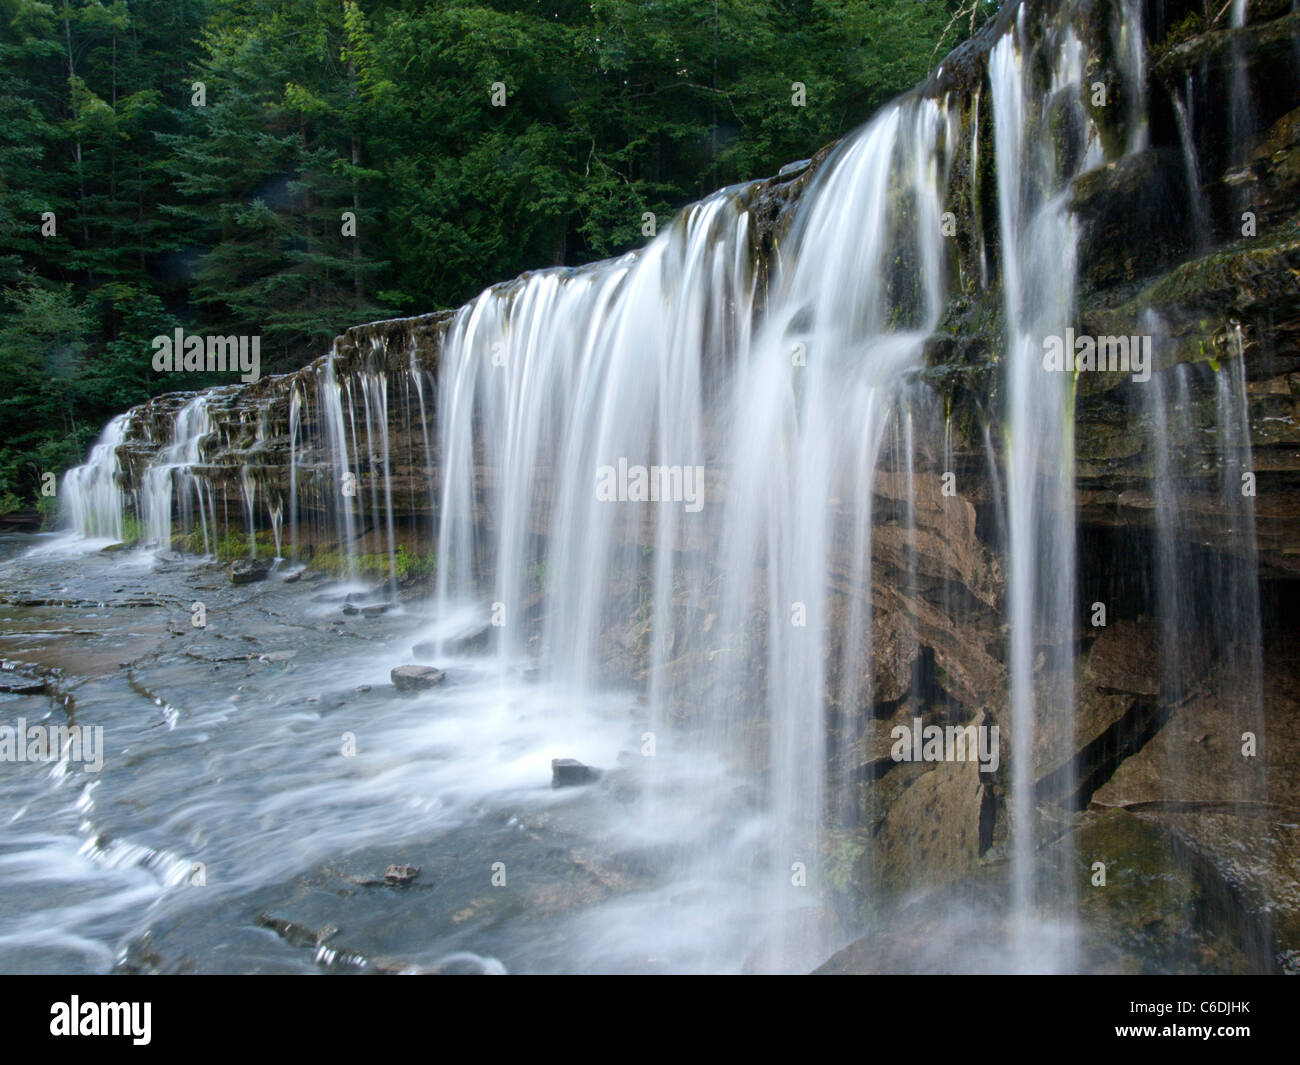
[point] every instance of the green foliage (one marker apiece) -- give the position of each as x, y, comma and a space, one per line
232, 545
44, 338
409, 568
412, 568
133, 529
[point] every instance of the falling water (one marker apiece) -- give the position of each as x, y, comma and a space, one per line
93, 492
1132, 53
170, 485
342, 467
1241, 112
1039, 243
1192, 170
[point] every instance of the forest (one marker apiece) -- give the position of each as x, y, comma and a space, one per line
288, 168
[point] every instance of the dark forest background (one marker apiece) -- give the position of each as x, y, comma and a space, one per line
225, 213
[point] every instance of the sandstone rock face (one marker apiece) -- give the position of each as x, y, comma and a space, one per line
932, 830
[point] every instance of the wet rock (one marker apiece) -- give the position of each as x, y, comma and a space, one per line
1127, 657
1161, 910
344, 958
248, 570
416, 678
277, 656
350, 610
1116, 710
376, 610
1234, 809
800, 946
1162, 907
401, 874
28, 521
937, 828
570, 773
13, 682
478, 638
396, 875
1116, 241
296, 935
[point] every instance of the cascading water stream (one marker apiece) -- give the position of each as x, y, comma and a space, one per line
1039, 243
1192, 169
93, 492
170, 486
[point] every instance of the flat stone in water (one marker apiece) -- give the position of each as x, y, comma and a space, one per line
570, 773
415, 678
13, 683
248, 570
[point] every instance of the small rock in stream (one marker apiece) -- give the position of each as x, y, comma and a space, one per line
248, 570
416, 678
401, 874
570, 773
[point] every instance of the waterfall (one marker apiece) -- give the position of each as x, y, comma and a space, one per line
1039, 242
716, 475
649, 361
170, 484
93, 492
1192, 169
1241, 112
